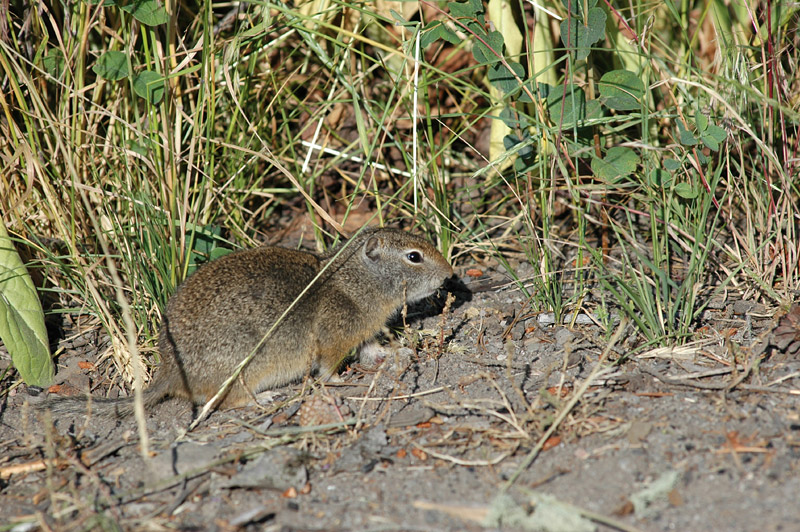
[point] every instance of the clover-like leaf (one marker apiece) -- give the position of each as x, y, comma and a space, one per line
685, 190
671, 164
438, 30
150, 86
658, 178
112, 65
471, 9
685, 136
713, 136
504, 79
618, 162
567, 105
622, 90
579, 37
54, 62
490, 52
148, 12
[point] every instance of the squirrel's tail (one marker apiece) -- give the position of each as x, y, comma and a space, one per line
102, 406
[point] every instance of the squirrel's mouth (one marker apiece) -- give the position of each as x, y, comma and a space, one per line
433, 286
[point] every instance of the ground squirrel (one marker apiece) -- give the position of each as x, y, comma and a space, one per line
222, 311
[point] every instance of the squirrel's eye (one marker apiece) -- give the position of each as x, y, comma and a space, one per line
414, 256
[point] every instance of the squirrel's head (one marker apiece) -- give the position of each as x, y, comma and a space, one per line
404, 263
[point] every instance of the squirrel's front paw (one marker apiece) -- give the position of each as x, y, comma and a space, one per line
372, 354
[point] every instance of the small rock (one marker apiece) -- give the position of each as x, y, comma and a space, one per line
742, 307
563, 336
518, 331
280, 468
717, 303
410, 416
375, 440
182, 458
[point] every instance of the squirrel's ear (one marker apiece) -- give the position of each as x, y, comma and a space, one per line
371, 248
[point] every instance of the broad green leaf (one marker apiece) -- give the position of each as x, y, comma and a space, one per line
618, 162
671, 164
471, 9
112, 65
571, 108
594, 109
448, 34
437, 30
150, 86
503, 78
685, 191
713, 136
685, 137
54, 63
577, 5
136, 147
206, 246
148, 12
513, 140
596, 25
579, 37
430, 34
701, 121
492, 51
622, 90
22, 328
658, 178
513, 119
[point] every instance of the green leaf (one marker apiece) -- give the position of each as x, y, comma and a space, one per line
622, 90
513, 119
579, 37
596, 25
206, 245
577, 6
136, 147
492, 51
503, 78
513, 140
150, 86
399, 18
112, 65
658, 178
567, 105
437, 30
54, 62
594, 109
701, 121
619, 162
671, 164
22, 328
148, 12
472, 9
685, 137
713, 136
685, 191
448, 34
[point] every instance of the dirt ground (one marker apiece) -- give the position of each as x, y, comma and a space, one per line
705, 437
